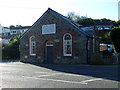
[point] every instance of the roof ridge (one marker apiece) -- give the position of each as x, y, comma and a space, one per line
79, 30
69, 21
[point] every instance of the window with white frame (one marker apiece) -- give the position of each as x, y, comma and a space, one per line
67, 45
32, 46
14, 32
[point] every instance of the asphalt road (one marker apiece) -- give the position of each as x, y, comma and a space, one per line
24, 75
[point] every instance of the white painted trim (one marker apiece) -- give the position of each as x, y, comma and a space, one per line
49, 45
67, 54
31, 54
64, 45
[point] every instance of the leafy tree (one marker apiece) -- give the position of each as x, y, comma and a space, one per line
105, 38
85, 21
82, 20
118, 23
115, 36
11, 51
71, 16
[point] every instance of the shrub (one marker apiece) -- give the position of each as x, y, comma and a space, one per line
115, 37
11, 51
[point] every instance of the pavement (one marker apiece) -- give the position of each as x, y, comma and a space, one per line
25, 75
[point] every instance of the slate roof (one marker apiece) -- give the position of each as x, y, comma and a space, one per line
20, 27
6, 27
77, 26
89, 30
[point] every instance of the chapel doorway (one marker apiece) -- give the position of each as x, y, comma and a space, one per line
49, 52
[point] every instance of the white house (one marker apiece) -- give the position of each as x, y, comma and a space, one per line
15, 30
5, 34
0, 29
5, 31
5, 41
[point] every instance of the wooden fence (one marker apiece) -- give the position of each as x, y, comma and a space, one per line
108, 59
100, 58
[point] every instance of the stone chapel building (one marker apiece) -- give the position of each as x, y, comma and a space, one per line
54, 39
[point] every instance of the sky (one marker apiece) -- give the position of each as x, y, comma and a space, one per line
119, 10
26, 12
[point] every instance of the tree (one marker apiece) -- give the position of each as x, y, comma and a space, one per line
82, 20
71, 16
85, 21
118, 23
11, 50
105, 38
115, 37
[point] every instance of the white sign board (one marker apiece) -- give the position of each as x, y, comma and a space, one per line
49, 29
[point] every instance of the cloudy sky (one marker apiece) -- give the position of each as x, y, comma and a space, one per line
26, 12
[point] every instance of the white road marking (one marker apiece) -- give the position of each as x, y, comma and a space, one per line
10, 72
61, 73
81, 82
41, 72
70, 74
91, 80
6, 72
56, 80
47, 75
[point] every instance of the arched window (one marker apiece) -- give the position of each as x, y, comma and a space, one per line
32, 46
67, 45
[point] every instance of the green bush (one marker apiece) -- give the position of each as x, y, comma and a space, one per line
105, 38
11, 51
115, 37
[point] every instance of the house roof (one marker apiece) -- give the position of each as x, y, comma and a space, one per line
75, 25
19, 27
68, 21
6, 27
89, 30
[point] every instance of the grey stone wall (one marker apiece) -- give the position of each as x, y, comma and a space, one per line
79, 42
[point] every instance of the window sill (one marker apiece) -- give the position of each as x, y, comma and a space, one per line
67, 55
32, 54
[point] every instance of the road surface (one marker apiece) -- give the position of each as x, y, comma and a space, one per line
25, 75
